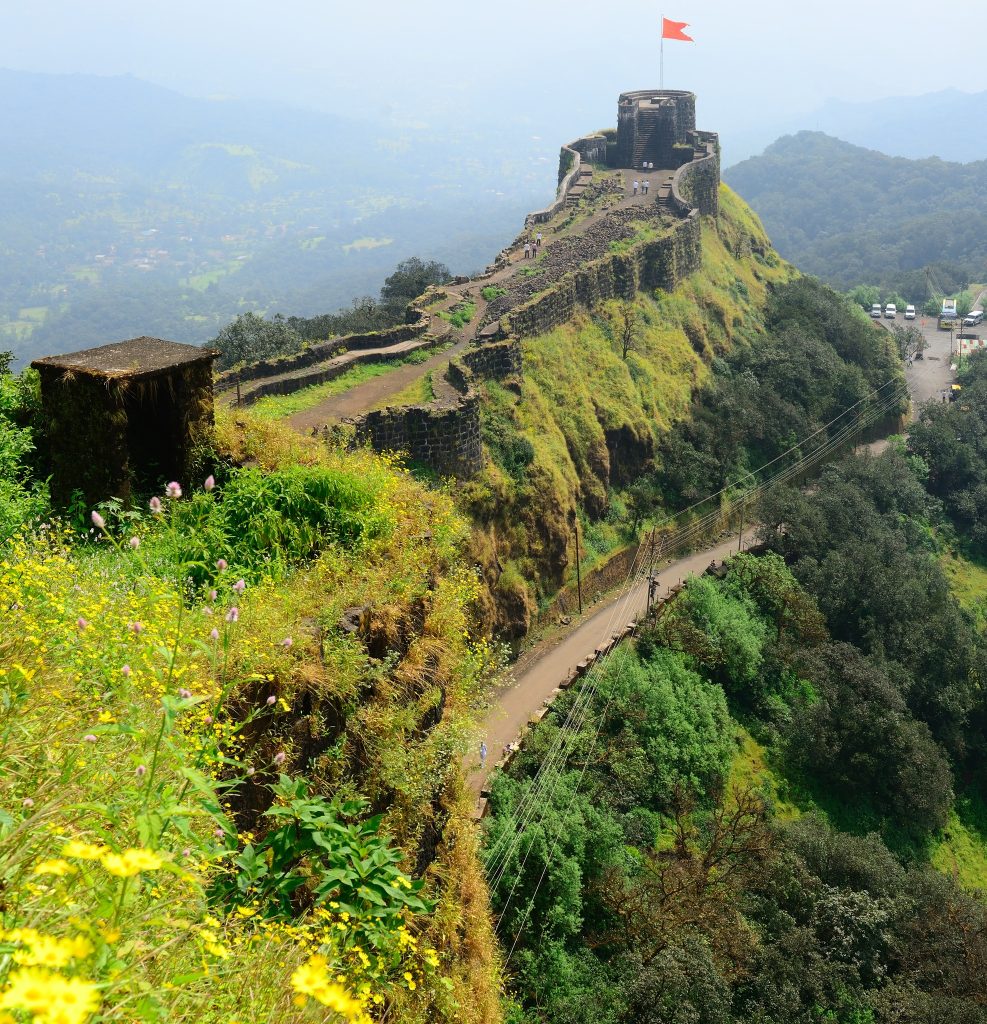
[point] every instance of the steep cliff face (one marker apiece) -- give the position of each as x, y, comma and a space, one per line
607, 369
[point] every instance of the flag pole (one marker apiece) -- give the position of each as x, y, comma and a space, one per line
661, 59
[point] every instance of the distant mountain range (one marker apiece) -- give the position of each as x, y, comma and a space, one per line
946, 124
126, 208
856, 216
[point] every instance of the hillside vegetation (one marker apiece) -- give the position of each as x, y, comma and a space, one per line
770, 808
855, 216
223, 796
719, 376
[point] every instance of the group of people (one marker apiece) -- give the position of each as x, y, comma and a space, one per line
643, 185
532, 246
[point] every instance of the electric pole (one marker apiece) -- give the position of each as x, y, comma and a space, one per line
579, 575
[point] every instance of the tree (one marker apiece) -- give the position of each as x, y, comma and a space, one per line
865, 295
860, 738
627, 327
410, 278
250, 338
909, 339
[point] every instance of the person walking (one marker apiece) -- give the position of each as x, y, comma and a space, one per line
538, 240
645, 185
483, 753
527, 250
634, 186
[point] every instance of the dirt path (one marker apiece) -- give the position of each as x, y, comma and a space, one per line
539, 672
374, 392
368, 394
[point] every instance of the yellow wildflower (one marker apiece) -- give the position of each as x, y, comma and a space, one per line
83, 851
47, 951
50, 998
54, 867
131, 862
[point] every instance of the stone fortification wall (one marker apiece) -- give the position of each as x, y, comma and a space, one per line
446, 438
444, 435
591, 149
653, 125
416, 325
296, 382
696, 185
658, 263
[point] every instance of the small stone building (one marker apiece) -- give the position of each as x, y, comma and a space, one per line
124, 417
655, 125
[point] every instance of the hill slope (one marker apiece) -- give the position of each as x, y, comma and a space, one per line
853, 215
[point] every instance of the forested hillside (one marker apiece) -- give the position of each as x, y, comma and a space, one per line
771, 808
855, 216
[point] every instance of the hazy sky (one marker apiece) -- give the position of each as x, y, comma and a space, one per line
512, 58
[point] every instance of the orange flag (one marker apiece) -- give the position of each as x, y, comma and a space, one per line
673, 30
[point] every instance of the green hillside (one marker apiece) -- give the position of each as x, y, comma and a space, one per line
855, 216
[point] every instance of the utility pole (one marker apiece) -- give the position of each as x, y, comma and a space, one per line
652, 575
579, 575
740, 539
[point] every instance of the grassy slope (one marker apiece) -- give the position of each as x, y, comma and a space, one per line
549, 446
74, 605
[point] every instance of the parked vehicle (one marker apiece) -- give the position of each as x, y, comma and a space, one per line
891, 311
974, 317
909, 312
948, 317
875, 311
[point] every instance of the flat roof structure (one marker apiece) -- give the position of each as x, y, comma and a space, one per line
136, 358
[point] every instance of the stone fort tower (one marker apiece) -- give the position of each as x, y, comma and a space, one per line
656, 126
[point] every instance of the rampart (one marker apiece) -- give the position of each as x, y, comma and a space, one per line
415, 326
659, 263
590, 149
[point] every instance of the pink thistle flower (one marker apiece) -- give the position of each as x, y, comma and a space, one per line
219, 833
272, 700
208, 720
206, 610
81, 622
250, 771
210, 482
135, 542
173, 490
186, 852
221, 564
214, 633
287, 642
233, 615
98, 521
185, 693
27, 802
213, 594
140, 771
125, 671
240, 586
89, 738
135, 627
155, 504
279, 757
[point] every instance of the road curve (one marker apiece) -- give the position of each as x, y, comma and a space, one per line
540, 670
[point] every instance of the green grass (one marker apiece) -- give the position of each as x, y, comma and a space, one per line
968, 582
200, 282
460, 314
492, 292
749, 769
962, 850
418, 392
643, 232
276, 407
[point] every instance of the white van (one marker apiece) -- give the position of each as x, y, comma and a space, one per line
891, 311
909, 312
974, 317
875, 311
